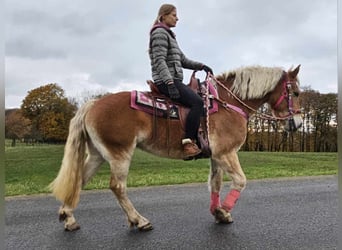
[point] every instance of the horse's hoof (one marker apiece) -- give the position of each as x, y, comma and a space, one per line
73, 227
222, 216
146, 227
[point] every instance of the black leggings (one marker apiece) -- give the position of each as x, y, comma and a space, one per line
191, 100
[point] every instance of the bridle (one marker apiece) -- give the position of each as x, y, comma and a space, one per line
287, 95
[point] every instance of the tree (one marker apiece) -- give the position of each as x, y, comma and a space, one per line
16, 125
49, 111
325, 130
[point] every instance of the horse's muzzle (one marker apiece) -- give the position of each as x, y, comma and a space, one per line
293, 123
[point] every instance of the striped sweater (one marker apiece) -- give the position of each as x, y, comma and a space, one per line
167, 60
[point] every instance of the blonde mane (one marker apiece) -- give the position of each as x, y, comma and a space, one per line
253, 81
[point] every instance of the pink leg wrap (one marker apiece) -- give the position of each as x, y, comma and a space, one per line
214, 201
231, 199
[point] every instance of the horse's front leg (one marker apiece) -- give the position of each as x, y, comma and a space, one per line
215, 184
230, 164
235, 171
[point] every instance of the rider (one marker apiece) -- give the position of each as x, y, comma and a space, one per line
167, 61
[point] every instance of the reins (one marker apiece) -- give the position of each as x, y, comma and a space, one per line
258, 114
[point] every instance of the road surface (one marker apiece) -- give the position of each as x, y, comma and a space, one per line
296, 213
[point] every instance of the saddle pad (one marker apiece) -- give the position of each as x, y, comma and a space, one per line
144, 101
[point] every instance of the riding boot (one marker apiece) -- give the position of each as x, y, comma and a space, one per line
190, 149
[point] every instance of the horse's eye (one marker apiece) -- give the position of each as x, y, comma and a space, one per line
296, 94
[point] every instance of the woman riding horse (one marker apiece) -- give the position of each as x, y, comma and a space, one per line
167, 61
108, 129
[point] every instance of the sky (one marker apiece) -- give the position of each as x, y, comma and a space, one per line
89, 47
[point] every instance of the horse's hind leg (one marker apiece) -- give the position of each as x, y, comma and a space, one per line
92, 164
118, 184
66, 215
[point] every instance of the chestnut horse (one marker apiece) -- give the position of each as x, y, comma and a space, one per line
108, 129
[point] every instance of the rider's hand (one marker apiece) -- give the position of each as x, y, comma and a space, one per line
207, 69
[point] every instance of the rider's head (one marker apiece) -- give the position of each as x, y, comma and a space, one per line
167, 14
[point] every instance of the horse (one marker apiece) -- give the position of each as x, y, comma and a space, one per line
108, 129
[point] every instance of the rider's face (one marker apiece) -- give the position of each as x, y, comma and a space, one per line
170, 19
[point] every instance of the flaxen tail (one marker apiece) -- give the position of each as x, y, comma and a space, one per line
68, 183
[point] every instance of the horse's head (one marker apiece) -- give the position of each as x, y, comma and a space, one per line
284, 100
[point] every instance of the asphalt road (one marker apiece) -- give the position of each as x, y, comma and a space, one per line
299, 213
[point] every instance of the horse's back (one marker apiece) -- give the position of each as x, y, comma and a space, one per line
115, 122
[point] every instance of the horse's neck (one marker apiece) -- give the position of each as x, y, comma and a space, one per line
246, 105
254, 104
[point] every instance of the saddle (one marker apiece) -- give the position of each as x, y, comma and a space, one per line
195, 85
159, 105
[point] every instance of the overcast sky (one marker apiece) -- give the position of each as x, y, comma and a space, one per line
89, 46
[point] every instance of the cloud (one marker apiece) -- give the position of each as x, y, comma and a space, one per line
90, 45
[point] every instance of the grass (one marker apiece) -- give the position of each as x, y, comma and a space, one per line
29, 169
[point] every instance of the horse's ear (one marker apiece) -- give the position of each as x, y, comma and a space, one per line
294, 72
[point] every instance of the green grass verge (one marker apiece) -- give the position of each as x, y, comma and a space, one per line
29, 169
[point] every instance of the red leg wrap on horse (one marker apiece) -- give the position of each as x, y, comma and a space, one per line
214, 201
231, 199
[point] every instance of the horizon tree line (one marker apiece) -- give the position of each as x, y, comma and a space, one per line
45, 114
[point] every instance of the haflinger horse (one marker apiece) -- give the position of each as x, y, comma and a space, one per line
108, 129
